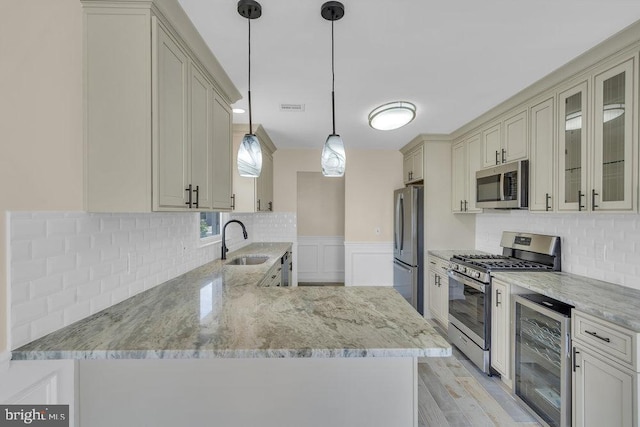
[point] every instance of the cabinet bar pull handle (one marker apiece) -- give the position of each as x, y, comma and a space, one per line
504, 155
461, 206
595, 335
546, 202
498, 293
197, 191
593, 199
271, 206
190, 202
258, 204
575, 365
580, 196
233, 201
465, 206
497, 161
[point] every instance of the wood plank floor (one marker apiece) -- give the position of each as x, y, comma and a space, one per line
453, 392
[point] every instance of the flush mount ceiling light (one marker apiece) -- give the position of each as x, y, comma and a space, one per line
393, 115
239, 110
249, 153
333, 156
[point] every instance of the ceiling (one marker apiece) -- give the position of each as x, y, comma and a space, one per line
454, 59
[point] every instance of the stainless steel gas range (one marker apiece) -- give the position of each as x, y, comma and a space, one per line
470, 288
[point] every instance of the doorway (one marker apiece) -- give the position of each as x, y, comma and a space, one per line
320, 229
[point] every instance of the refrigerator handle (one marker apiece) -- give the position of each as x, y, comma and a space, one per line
401, 223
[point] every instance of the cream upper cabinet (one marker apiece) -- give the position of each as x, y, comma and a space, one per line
492, 145
222, 156
573, 118
172, 163
505, 141
154, 136
253, 194
465, 163
542, 157
414, 165
615, 153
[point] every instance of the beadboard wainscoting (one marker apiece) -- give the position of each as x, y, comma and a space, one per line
597, 245
368, 263
321, 258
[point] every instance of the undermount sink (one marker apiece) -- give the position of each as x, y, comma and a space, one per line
248, 260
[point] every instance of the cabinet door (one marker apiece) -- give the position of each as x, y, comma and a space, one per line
267, 183
541, 197
515, 144
171, 145
407, 167
603, 394
443, 289
200, 91
473, 165
435, 300
491, 146
458, 176
500, 330
222, 155
418, 164
573, 117
614, 161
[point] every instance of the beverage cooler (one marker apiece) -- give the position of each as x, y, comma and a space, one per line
542, 357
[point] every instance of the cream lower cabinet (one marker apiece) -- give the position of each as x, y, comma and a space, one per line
501, 328
605, 373
465, 162
438, 290
157, 126
253, 194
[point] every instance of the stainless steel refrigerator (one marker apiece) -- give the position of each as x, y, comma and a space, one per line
408, 244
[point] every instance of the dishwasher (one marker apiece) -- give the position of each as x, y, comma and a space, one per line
542, 357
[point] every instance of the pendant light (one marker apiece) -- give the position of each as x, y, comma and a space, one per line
250, 153
333, 156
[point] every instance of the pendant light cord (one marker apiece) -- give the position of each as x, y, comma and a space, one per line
250, 123
333, 83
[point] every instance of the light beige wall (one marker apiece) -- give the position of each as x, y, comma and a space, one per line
40, 114
320, 205
286, 165
370, 179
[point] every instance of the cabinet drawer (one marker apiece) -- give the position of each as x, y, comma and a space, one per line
438, 264
611, 339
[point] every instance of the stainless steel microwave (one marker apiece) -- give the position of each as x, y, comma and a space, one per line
503, 187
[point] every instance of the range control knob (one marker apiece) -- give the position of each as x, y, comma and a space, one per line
476, 274
464, 269
450, 266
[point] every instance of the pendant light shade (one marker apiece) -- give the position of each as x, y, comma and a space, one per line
249, 153
333, 158
250, 157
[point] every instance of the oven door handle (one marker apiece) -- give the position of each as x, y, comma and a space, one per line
466, 281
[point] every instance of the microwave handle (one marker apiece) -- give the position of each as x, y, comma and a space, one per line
502, 186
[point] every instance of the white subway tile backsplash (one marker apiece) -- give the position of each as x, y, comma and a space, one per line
68, 265
602, 246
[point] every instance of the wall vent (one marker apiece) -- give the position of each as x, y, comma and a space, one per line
292, 108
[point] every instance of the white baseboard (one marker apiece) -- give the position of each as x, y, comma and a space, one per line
368, 263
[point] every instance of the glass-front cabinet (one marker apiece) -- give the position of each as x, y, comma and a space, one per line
613, 158
596, 143
572, 155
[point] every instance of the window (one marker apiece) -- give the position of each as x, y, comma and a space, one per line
209, 225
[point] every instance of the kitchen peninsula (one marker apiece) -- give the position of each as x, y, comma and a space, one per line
212, 345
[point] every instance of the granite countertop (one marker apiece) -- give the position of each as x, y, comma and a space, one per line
446, 254
218, 311
618, 304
